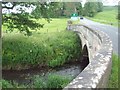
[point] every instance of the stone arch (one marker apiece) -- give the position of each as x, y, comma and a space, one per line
84, 57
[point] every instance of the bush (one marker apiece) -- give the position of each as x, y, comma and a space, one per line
6, 84
48, 49
38, 82
70, 22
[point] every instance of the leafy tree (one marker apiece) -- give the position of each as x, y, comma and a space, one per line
69, 8
23, 21
20, 21
99, 7
79, 8
72, 7
91, 8
56, 9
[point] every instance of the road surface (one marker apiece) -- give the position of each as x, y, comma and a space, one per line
110, 30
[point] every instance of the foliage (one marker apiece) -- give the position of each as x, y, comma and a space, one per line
38, 82
79, 8
45, 47
91, 8
52, 51
22, 21
8, 84
57, 81
52, 81
72, 7
99, 7
113, 80
55, 9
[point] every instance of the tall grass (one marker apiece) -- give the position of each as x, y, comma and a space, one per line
44, 48
52, 81
113, 81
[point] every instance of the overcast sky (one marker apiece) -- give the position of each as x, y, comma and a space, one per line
106, 2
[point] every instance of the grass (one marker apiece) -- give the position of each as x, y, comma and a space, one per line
52, 81
50, 46
9, 84
113, 81
108, 16
58, 24
54, 25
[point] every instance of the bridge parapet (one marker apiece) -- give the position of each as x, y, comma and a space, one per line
99, 45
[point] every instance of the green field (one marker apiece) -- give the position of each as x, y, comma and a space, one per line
54, 25
108, 16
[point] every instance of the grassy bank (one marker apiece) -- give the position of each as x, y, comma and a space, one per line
113, 81
108, 16
53, 81
50, 46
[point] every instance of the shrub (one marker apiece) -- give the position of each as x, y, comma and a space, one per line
70, 22
52, 49
6, 84
38, 82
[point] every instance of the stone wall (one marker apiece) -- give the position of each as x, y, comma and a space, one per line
96, 74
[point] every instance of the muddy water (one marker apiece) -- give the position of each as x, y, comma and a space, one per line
25, 76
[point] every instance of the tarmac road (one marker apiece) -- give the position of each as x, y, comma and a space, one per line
112, 32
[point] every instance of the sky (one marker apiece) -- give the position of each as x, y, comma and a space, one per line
106, 2
110, 2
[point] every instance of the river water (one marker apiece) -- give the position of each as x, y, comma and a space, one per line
25, 76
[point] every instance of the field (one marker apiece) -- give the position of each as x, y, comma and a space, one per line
108, 16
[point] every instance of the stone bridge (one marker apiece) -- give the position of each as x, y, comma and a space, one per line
99, 48
89, 38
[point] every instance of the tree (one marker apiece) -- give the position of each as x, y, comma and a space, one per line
56, 9
23, 21
79, 8
91, 8
99, 7
72, 7
19, 21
